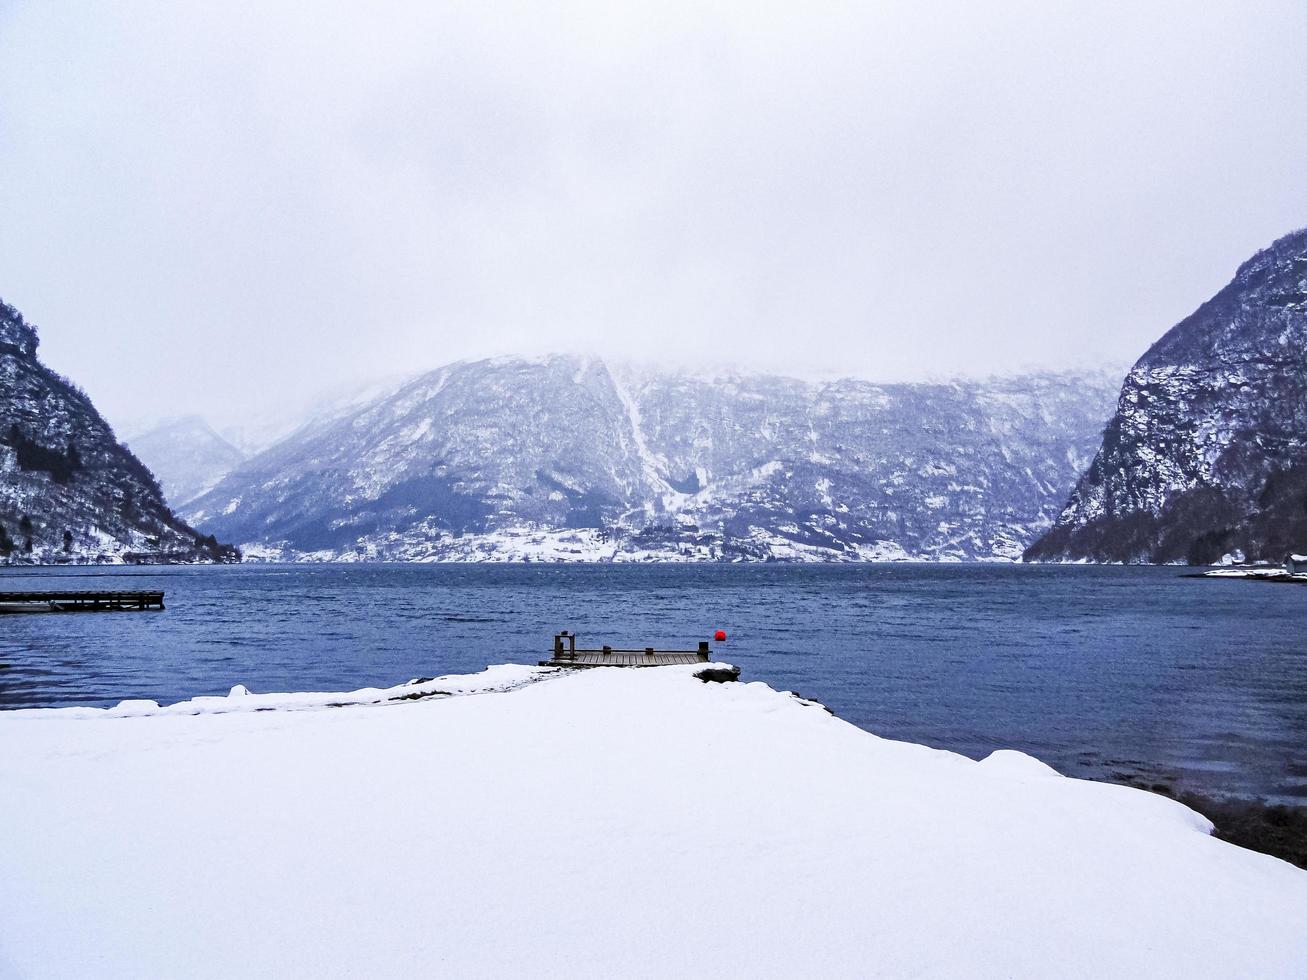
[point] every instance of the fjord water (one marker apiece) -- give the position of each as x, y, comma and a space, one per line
1117, 673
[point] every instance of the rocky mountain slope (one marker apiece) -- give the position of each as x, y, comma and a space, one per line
68, 491
565, 457
1205, 458
186, 455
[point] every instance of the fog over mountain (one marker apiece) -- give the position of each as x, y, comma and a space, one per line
260, 201
186, 456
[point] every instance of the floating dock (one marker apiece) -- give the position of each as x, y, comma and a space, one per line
44, 602
567, 654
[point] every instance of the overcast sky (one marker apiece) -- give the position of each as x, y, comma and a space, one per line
222, 207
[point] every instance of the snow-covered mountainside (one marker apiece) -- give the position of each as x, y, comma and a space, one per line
186, 455
68, 491
1205, 455
571, 458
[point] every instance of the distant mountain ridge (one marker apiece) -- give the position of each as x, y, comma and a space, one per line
570, 457
68, 491
186, 455
1206, 457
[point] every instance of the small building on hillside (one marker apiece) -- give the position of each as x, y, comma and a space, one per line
1296, 564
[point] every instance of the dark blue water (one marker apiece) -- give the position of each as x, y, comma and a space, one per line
1120, 673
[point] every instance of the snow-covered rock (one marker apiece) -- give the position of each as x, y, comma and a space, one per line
573, 458
68, 491
1205, 455
602, 823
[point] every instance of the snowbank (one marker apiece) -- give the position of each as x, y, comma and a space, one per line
596, 823
492, 680
1269, 573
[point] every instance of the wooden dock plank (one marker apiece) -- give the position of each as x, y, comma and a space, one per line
598, 659
80, 601
566, 653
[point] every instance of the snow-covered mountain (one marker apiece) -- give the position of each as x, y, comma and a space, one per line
1206, 456
569, 457
68, 491
187, 456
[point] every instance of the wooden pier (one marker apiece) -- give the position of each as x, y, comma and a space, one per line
43, 602
567, 654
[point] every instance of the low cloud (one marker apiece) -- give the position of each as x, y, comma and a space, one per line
215, 205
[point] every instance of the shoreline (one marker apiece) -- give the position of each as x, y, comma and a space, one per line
1253, 823
1255, 574
349, 562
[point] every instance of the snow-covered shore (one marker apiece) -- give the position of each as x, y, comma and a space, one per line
594, 823
591, 545
1267, 573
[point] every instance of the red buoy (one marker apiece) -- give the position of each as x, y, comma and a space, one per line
720, 636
